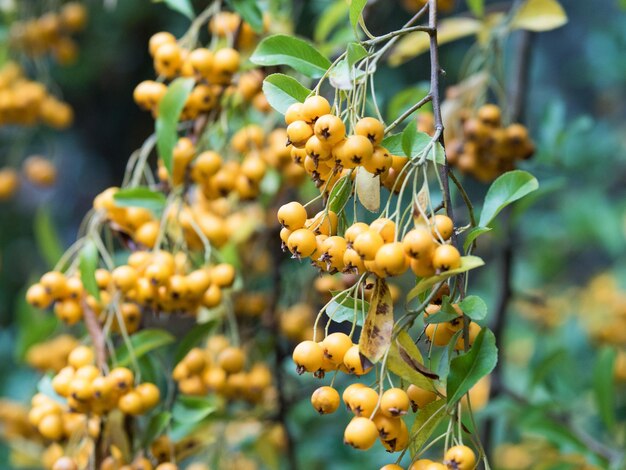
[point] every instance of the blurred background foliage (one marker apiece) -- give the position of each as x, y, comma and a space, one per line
566, 321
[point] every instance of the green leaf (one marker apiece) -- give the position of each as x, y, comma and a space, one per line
192, 339
355, 53
603, 385
342, 308
344, 75
166, 123
477, 7
181, 6
299, 54
409, 136
141, 196
405, 360
250, 12
467, 369
473, 234
188, 409
426, 421
414, 144
467, 263
474, 307
356, 8
282, 91
142, 343
393, 143
330, 18
340, 194
88, 263
47, 237
447, 353
506, 189
157, 426
440, 317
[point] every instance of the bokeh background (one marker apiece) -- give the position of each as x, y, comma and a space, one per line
568, 300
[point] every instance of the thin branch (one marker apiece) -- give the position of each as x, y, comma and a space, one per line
408, 112
97, 336
465, 197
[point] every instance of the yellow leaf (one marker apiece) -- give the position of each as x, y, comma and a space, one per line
397, 363
539, 15
414, 44
368, 189
376, 334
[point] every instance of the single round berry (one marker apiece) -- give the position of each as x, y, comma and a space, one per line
308, 356
394, 402
314, 107
361, 433
353, 361
446, 257
371, 128
460, 458
292, 215
302, 243
325, 400
442, 226
367, 244
419, 397
330, 129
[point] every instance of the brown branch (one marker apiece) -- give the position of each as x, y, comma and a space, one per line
96, 334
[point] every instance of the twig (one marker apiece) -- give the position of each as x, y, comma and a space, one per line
96, 335
408, 112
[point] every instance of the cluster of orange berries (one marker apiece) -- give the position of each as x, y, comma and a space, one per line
220, 368
213, 70
239, 171
51, 33
368, 248
375, 417
335, 352
319, 144
440, 334
55, 422
37, 170
27, 102
112, 462
87, 390
51, 354
166, 283
458, 457
155, 280
487, 149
